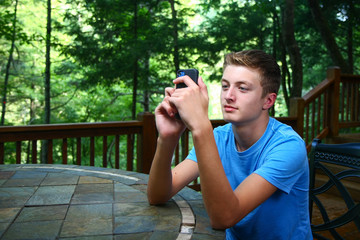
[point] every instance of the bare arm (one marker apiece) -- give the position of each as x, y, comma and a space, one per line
163, 182
225, 206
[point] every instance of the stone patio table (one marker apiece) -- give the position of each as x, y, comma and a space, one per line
78, 202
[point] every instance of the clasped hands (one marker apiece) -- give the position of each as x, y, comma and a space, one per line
191, 103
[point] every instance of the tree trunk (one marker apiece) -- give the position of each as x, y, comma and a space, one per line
44, 148
146, 85
350, 22
7, 73
293, 49
175, 35
327, 36
135, 74
47, 64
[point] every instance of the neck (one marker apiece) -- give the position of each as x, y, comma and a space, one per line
248, 134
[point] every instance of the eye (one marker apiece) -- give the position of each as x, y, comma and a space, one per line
243, 88
224, 86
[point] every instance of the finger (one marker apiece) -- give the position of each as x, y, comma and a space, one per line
169, 91
202, 85
168, 107
185, 79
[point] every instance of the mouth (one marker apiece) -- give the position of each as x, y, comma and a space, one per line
229, 108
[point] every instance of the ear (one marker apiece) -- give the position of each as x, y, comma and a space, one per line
269, 100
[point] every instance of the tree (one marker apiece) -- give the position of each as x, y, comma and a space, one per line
13, 38
327, 36
47, 65
293, 50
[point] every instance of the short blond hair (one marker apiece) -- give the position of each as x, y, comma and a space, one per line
265, 64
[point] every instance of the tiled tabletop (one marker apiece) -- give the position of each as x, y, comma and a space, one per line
75, 202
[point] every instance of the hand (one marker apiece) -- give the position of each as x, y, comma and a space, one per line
166, 123
191, 102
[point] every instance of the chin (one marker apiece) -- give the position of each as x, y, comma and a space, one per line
229, 119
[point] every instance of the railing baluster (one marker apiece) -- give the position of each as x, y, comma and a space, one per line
177, 151
342, 102
50, 151
117, 152
130, 152
318, 115
307, 124
78, 151
64, 151
92, 151
34, 152
313, 119
348, 105
18, 152
352, 103
105, 147
1, 153
357, 102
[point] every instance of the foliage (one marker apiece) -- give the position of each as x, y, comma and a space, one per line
99, 48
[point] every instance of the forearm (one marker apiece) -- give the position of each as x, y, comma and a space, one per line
219, 198
160, 178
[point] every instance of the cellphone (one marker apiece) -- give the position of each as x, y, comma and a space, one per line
192, 73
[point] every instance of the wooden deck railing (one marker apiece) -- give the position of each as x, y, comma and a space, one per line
332, 105
143, 130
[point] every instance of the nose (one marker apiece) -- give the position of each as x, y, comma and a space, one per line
229, 94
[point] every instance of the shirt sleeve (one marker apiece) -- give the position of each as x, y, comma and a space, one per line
284, 164
192, 155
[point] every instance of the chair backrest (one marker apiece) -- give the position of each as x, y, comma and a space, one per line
327, 159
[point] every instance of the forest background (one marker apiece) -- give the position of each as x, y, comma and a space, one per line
107, 60
71, 61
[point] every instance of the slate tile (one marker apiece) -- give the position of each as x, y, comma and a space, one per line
130, 197
78, 213
60, 179
86, 227
134, 224
6, 174
33, 230
22, 182
42, 213
15, 196
88, 198
8, 214
95, 237
134, 209
94, 188
90, 179
52, 195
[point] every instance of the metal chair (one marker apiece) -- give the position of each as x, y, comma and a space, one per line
323, 158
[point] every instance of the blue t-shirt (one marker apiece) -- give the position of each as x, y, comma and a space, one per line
280, 157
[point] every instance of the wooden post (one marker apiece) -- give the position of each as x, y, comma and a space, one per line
333, 74
146, 142
18, 152
297, 110
34, 152
1, 153
105, 149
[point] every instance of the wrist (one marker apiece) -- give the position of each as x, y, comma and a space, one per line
169, 142
204, 130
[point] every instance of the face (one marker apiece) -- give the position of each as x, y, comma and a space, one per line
241, 95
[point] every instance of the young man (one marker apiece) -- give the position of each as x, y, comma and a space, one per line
253, 171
